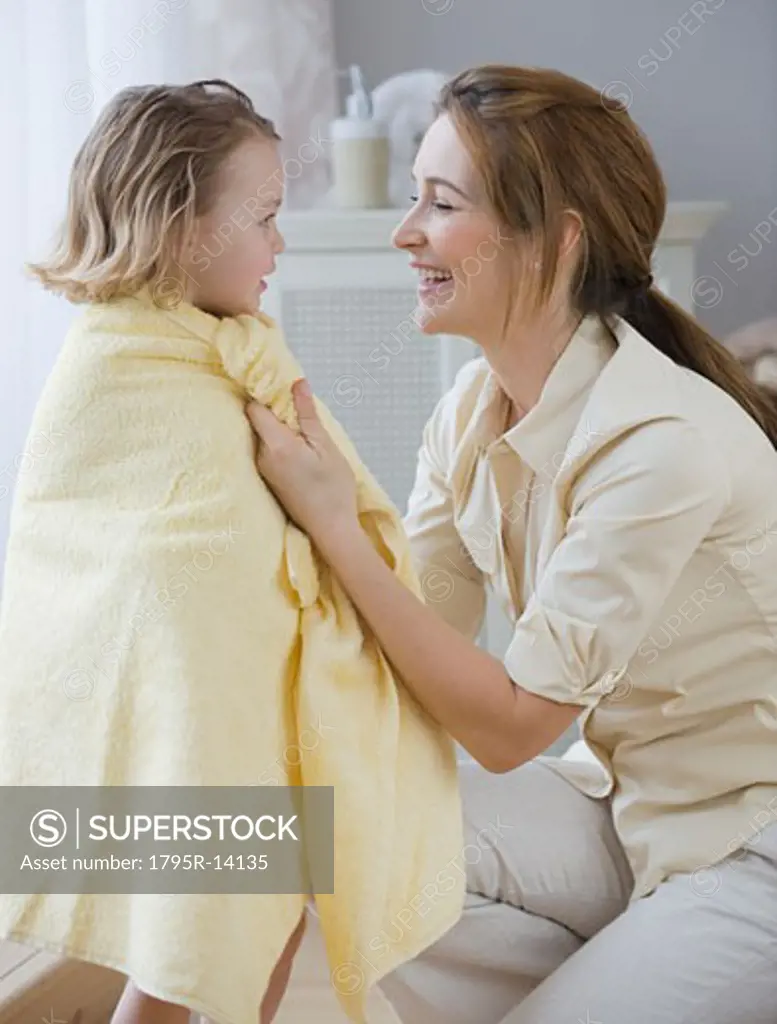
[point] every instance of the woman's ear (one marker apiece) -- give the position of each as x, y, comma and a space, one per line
571, 234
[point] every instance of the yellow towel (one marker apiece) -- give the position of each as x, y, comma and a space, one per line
164, 624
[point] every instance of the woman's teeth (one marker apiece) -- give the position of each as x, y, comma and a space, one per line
435, 275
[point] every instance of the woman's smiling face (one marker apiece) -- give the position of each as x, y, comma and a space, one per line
458, 246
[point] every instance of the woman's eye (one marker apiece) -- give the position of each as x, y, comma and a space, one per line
437, 204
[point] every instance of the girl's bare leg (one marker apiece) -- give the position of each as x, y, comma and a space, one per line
135, 1007
279, 979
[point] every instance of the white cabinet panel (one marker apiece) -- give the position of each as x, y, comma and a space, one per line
379, 376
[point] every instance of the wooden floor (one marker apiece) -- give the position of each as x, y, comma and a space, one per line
310, 999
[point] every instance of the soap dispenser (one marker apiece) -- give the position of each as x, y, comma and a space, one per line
360, 151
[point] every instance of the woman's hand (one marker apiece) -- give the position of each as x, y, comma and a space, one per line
306, 471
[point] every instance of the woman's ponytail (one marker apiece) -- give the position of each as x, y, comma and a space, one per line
680, 337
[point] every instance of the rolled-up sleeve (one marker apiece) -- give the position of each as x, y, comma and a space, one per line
639, 511
451, 583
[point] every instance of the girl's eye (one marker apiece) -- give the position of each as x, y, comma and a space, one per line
267, 220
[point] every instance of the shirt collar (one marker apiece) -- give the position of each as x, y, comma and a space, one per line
543, 435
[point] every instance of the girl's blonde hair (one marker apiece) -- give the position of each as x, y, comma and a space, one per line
147, 169
544, 143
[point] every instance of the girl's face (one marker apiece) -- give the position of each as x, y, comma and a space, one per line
237, 241
459, 248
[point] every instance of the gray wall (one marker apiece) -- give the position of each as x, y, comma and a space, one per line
706, 97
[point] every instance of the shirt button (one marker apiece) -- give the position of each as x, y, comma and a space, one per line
608, 680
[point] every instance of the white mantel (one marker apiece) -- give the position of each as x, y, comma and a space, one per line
330, 230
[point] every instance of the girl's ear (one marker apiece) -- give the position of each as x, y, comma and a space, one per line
188, 246
190, 241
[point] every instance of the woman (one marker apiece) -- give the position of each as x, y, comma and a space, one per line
610, 471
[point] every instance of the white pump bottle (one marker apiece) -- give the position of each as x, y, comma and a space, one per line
360, 152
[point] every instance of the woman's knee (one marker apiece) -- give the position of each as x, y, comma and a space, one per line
537, 842
495, 809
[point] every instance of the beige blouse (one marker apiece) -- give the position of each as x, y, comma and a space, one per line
627, 523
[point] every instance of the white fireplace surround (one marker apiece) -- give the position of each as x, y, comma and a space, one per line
344, 297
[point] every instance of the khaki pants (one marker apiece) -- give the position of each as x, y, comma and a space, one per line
548, 936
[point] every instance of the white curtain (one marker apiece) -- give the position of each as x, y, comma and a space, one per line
60, 60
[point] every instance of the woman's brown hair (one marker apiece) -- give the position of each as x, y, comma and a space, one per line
148, 167
545, 143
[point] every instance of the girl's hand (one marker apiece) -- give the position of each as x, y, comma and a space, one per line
306, 472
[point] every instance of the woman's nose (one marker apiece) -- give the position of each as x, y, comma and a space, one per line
408, 234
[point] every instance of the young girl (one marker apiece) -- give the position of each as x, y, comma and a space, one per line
163, 623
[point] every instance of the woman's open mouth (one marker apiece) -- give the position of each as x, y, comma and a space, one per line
436, 285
